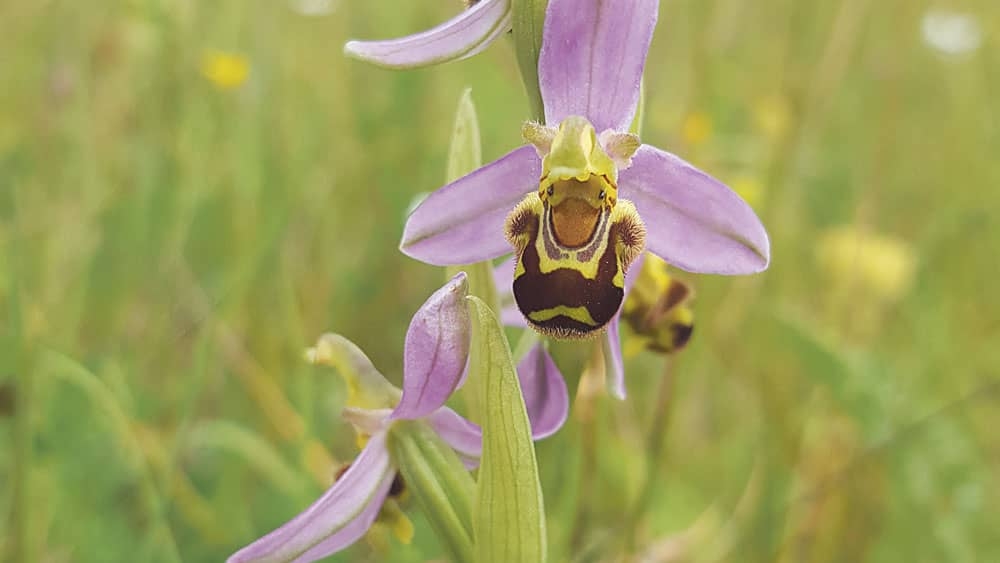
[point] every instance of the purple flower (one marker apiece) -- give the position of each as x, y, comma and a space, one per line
435, 355
555, 200
463, 36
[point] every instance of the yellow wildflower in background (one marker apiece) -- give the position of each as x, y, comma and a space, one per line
882, 266
749, 188
772, 116
697, 128
225, 70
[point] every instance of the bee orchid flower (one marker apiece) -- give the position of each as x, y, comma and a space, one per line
461, 37
435, 356
556, 202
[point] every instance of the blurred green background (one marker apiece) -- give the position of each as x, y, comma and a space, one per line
192, 192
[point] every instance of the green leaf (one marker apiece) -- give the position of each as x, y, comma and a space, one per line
466, 153
509, 518
465, 156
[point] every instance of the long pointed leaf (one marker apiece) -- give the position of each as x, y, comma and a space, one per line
510, 518
465, 156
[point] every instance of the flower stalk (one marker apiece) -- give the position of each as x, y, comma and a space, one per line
439, 482
22, 534
528, 18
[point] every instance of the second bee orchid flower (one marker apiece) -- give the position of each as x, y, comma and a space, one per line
435, 355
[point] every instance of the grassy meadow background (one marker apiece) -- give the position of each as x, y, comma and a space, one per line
170, 244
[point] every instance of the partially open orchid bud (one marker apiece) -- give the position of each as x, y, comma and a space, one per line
657, 308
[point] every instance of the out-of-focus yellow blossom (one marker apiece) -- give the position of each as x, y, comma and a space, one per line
772, 116
657, 309
881, 265
697, 128
749, 188
225, 70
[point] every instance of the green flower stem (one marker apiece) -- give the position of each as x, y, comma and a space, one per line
528, 19
24, 545
585, 412
654, 450
439, 482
